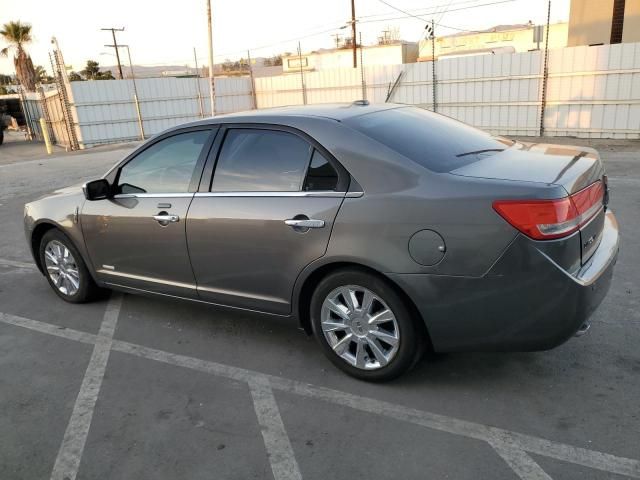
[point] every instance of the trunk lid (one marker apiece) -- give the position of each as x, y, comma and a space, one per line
574, 168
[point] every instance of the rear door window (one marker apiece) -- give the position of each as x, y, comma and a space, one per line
434, 141
253, 160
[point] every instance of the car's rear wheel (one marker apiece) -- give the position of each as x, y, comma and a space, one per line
364, 326
65, 269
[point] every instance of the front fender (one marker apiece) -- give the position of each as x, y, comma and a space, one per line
61, 211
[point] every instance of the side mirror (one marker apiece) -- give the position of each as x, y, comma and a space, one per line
97, 189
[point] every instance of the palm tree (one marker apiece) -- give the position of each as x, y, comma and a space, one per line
17, 35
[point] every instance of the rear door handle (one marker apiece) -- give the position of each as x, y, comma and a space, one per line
166, 218
304, 223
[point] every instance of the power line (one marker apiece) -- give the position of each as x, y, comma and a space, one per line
360, 19
444, 11
419, 11
422, 15
465, 30
400, 10
441, 14
228, 54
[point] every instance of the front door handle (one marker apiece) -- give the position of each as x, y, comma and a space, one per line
304, 223
164, 218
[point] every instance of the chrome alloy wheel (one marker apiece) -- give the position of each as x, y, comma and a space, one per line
62, 268
360, 327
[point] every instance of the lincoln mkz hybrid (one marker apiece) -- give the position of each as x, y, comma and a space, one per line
383, 230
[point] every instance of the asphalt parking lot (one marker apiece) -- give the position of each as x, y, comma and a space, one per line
137, 387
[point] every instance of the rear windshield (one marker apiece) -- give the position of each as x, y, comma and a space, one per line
434, 141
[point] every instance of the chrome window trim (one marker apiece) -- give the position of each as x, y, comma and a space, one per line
319, 193
153, 195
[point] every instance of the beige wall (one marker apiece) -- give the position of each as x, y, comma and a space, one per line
521, 40
631, 29
394, 54
590, 22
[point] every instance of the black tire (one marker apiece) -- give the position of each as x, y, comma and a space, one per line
1, 134
412, 341
87, 289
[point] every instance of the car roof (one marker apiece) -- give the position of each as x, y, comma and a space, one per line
331, 111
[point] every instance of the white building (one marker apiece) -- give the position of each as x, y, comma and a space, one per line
388, 54
498, 39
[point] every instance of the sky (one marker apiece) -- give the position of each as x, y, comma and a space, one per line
160, 32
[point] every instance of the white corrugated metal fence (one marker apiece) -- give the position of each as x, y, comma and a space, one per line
106, 111
591, 92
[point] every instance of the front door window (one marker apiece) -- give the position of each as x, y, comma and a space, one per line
164, 167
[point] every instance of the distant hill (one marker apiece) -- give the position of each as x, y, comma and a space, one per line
142, 71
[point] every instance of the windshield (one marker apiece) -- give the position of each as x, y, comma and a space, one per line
434, 141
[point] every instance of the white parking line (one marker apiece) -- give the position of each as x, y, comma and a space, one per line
47, 328
520, 462
494, 436
281, 457
75, 436
15, 263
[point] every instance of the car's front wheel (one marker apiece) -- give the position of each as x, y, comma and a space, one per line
364, 326
65, 269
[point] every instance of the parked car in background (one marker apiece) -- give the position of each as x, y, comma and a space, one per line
384, 230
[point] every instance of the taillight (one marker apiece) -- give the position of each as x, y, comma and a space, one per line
548, 219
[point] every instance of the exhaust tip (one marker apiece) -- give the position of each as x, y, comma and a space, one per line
584, 328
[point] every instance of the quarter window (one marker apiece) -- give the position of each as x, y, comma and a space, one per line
253, 160
321, 175
165, 167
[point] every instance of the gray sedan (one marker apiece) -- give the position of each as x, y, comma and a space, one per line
384, 230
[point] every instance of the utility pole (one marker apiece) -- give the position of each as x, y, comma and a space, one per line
545, 73
115, 45
433, 62
212, 85
353, 33
304, 87
336, 36
364, 84
195, 59
253, 82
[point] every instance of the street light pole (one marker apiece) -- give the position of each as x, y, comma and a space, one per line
353, 33
135, 89
212, 85
135, 93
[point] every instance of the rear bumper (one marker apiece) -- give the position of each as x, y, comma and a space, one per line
525, 302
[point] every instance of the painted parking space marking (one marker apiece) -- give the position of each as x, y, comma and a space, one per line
510, 443
520, 462
47, 328
276, 441
75, 436
17, 264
